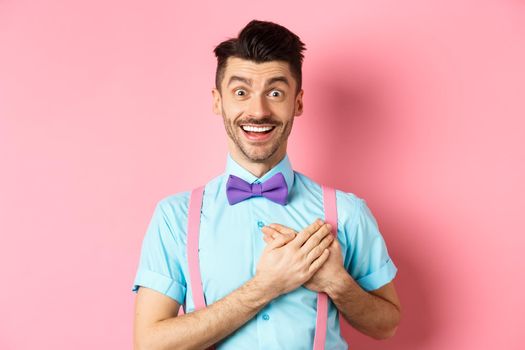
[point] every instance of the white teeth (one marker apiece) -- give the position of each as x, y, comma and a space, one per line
256, 129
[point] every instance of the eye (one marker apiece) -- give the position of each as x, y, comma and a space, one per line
276, 93
239, 92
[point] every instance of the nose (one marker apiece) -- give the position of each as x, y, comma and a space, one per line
258, 107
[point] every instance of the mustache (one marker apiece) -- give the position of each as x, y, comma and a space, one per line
259, 122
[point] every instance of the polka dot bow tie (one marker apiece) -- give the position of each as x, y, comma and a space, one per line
275, 189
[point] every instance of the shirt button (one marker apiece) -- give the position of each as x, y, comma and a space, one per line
266, 317
260, 224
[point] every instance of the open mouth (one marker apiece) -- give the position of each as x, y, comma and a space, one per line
256, 133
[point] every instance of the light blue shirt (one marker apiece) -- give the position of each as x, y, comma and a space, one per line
231, 243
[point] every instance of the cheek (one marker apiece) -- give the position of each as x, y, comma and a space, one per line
285, 109
232, 108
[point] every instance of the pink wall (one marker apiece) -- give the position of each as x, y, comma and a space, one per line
418, 108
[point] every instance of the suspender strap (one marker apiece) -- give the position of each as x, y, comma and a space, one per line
330, 213
192, 247
330, 210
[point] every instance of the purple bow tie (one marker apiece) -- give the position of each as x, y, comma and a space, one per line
275, 189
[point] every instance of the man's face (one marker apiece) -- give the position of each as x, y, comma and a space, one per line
257, 95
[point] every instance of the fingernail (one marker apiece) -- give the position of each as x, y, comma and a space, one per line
328, 226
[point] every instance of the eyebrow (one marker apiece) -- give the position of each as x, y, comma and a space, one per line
280, 78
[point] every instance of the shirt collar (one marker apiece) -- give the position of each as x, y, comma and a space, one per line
284, 166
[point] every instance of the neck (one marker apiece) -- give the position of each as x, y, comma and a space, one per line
260, 168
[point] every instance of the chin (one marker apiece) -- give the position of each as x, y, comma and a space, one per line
261, 155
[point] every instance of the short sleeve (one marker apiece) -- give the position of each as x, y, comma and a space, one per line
370, 264
159, 266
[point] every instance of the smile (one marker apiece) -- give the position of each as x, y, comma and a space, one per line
257, 133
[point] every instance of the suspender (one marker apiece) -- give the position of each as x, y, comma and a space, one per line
193, 247
330, 211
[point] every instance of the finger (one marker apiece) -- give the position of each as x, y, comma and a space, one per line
307, 232
316, 238
269, 234
336, 244
266, 233
274, 233
283, 229
267, 230
319, 249
317, 263
270, 238
278, 242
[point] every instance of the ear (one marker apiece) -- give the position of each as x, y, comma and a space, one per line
299, 103
217, 104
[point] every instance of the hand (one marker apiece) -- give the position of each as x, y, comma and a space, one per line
330, 270
286, 263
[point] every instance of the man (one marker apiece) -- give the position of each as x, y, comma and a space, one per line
262, 262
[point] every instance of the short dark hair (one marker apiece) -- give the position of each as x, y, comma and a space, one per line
262, 41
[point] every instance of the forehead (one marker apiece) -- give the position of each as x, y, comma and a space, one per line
257, 72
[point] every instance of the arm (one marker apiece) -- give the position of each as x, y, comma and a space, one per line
281, 269
158, 327
376, 313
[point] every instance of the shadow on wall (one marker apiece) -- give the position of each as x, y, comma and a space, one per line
356, 101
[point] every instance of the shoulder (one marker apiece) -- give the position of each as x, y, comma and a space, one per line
175, 206
345, 200
306, 187
349, 209
171, 213
169, 220
349, 205
174, 203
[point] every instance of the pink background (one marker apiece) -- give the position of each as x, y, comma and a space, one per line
105, 107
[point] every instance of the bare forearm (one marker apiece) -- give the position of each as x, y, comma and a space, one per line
366, 312
204, 327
